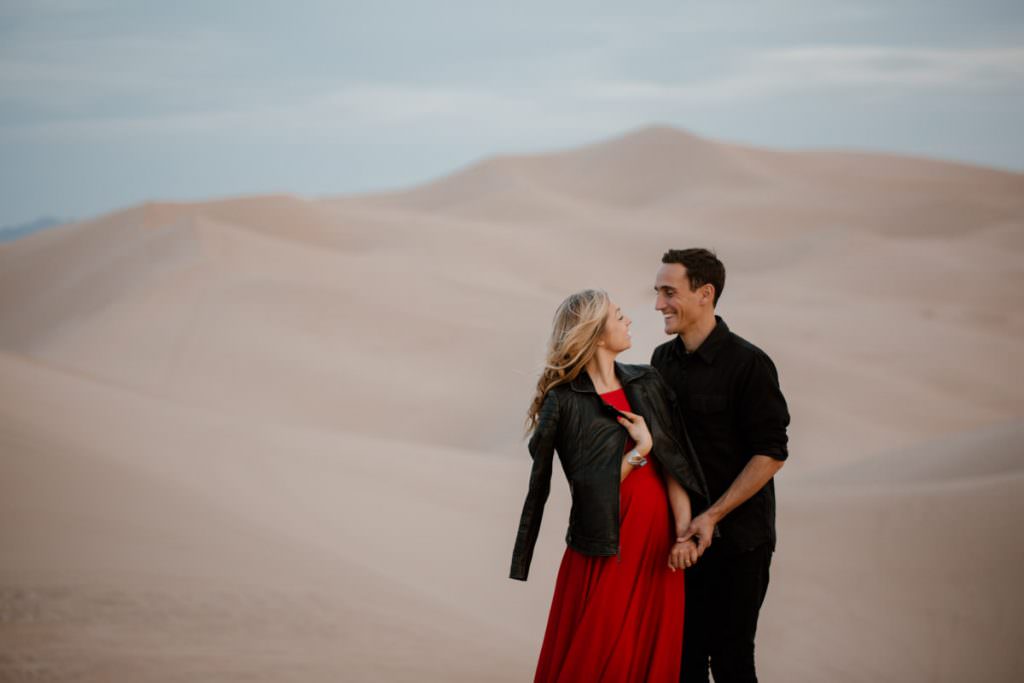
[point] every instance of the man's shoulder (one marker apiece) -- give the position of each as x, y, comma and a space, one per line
745, 350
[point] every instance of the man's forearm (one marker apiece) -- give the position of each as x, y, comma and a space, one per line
752, 478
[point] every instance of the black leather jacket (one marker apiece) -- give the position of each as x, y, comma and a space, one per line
577, 423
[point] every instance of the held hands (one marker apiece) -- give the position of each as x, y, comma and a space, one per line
699, 531
683, 555
638, 431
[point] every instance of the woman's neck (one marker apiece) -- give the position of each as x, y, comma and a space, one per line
601, 369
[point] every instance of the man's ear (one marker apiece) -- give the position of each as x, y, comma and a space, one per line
708, 293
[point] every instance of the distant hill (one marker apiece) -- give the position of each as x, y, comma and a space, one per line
9, 233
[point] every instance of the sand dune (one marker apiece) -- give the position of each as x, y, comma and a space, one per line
181, 524
974, 456
916, 583
280, 438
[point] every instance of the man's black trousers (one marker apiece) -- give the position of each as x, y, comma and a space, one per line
724, 592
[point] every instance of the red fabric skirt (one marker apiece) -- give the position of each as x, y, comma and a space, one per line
620, 619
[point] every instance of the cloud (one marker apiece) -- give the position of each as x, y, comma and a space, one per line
353, 113
57, 75
831, 68
385, 110
829, 65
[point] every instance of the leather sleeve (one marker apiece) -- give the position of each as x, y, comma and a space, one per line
542, 448
689, 471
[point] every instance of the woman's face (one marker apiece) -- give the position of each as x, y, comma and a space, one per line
616, 336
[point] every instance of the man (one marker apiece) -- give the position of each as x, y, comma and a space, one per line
727, 391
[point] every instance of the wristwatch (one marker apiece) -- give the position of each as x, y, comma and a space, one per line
635, 459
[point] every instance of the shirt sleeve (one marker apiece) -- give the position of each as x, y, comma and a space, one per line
762, 411
542, 448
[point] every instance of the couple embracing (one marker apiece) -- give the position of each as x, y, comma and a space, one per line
670, 472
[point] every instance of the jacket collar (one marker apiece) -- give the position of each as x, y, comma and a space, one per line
710, 347
625, 373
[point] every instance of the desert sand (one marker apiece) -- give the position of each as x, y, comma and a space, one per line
277, 438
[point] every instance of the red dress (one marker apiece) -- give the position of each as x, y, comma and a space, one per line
620, 620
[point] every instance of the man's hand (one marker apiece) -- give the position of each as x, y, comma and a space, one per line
700, 530
752, 478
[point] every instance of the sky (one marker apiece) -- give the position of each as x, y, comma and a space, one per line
108, 104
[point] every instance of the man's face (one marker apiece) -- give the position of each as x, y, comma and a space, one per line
680, 307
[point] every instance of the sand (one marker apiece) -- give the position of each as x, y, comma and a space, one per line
279, 438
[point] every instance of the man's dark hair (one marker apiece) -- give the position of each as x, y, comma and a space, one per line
702, 267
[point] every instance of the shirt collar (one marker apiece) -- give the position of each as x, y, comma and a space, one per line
625, 373
709, 348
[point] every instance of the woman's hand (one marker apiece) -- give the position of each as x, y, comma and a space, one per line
682, 555
638, 431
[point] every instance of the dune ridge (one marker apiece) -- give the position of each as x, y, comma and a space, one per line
277, 437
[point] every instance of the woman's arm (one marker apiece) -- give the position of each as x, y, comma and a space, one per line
680, 502
683, 554
542, 449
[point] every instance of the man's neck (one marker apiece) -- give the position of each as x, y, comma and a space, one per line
695, 335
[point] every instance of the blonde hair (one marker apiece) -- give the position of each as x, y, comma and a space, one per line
578, 324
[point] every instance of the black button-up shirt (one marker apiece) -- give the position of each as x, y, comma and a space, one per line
728, 393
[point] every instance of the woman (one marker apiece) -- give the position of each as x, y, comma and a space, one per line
617, 610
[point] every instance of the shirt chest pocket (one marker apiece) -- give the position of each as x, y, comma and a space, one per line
708, 404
